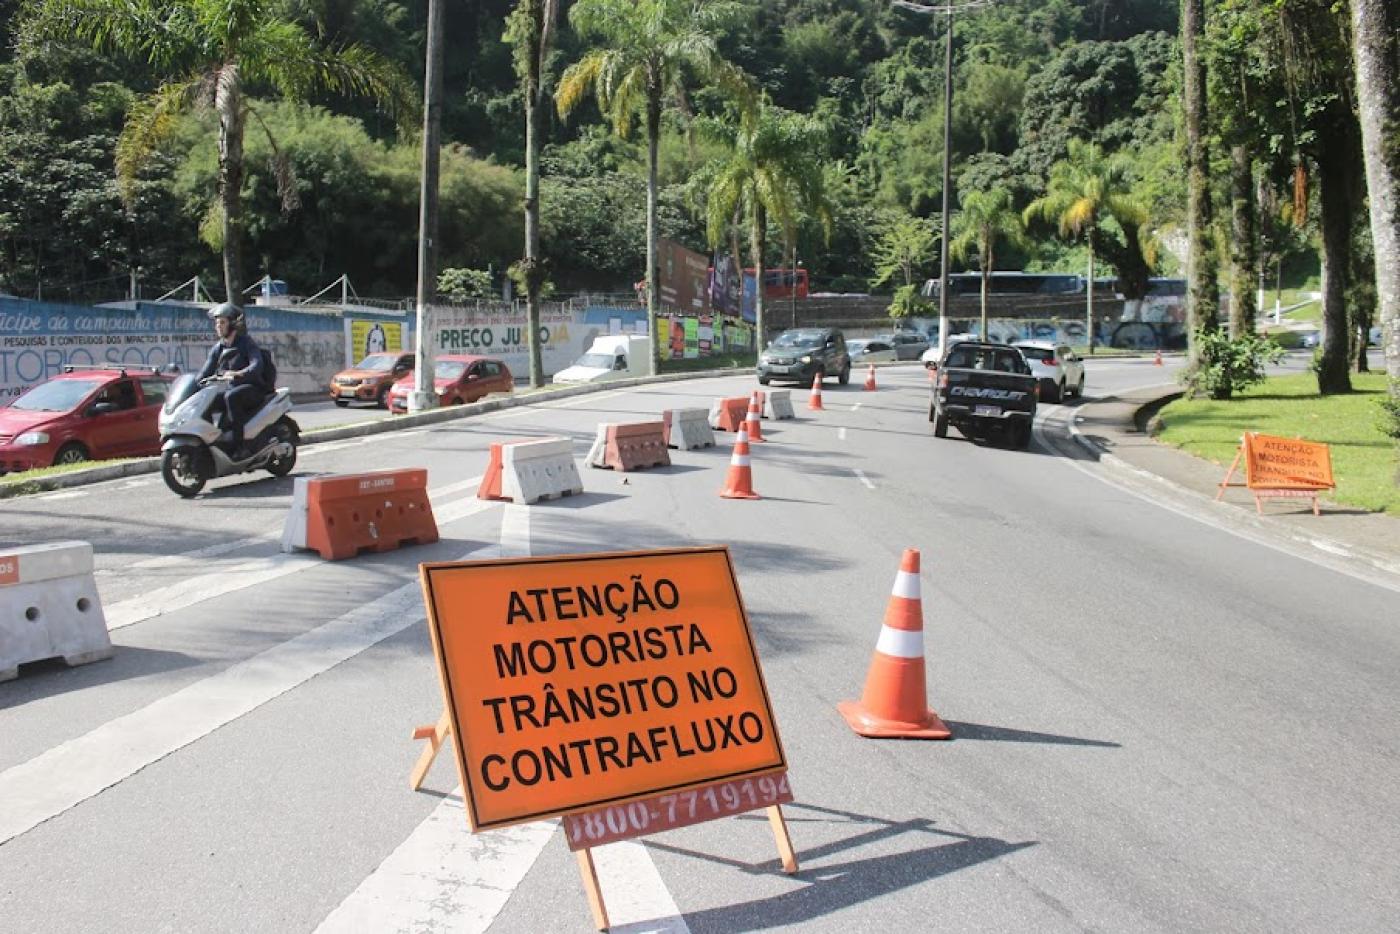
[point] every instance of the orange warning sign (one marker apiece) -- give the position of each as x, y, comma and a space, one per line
9, 570
1272, 463
575, 681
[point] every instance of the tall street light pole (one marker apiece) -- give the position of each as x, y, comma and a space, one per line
424, 396
949, 9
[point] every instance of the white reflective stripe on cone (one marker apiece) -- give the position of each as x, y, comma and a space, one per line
906, 585
739, 460
900, 643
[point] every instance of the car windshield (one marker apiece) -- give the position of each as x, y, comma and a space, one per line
378, 362
1037, 353
60, 395
449, 369
597, 361
799, 339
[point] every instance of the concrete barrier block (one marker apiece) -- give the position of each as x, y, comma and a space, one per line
294, 529
598, 451
688, 429
49, 607
636, 445
535, 470
729, 414
778, 404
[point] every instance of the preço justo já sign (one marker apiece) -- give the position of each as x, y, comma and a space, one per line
575, 681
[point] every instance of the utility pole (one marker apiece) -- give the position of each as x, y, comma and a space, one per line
950, 9
423, 395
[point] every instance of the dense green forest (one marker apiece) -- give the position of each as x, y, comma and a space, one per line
1030, 75
330, 185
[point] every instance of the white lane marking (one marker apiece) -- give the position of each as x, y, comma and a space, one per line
856, 406
1195, 511
68, 774
863, 478
442, 878
259, 570
74, 494
637, 898
841, 434
238, 544
515, 531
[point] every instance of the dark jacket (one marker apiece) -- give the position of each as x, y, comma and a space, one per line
244, 359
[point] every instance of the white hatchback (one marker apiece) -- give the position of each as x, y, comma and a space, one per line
1058, 368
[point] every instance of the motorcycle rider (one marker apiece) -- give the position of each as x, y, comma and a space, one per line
236, 354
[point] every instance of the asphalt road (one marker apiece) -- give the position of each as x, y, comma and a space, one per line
1159, 726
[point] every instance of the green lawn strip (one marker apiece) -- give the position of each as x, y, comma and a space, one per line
1363, 459
24, 477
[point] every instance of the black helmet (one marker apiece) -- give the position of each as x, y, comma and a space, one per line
229, 311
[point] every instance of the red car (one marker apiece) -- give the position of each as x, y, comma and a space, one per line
84, 413
370, 379
457, 378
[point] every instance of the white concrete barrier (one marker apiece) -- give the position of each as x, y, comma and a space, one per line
294, 529
690, 428
778, 404
535, 470
598, 452
49, 607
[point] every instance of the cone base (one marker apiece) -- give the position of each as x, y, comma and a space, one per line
817, 408
738, 494
866, 724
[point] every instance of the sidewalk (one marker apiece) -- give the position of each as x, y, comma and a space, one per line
1110, 430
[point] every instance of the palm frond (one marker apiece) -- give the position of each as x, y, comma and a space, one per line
159, 34
149, 123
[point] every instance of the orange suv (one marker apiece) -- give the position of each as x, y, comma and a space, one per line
370, 379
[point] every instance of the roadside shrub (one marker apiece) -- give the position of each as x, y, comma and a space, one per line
908, 303
1226, 366
1389, 421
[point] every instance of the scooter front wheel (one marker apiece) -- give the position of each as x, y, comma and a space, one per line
185, 470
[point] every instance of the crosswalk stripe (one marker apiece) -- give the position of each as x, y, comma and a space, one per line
225, 580
68, 774
442, 877
636, 895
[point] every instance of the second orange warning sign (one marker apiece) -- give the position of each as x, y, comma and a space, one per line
575, 681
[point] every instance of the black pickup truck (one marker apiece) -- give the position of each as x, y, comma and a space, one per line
983, 389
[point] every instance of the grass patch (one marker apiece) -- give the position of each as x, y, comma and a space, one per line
25, 478
1363, 459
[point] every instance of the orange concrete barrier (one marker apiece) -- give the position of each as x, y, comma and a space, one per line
893, 704
630, 446
490, 486
341, 516
729, 414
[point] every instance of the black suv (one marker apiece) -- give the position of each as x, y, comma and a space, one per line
801, 353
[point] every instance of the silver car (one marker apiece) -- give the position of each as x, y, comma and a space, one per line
1056, 366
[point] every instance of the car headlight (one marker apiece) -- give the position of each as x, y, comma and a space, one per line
31, 438
807, 359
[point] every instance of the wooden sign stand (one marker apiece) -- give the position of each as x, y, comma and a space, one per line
589, 872
437, 734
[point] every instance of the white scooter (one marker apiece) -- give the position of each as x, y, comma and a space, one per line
195, 448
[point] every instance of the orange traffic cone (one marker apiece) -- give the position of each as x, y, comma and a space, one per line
1157, 361
816, 401
870, 379
894, 703
739, 482
753, 422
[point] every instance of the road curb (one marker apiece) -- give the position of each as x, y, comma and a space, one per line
1263, 525
146, 465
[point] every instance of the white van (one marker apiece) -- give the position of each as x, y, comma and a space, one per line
616, 356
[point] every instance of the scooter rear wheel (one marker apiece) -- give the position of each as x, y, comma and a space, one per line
185, 470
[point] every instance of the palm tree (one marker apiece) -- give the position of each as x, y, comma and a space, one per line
986, 218
648, 49
530, 29
1085, 189
774, 172
209, 54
